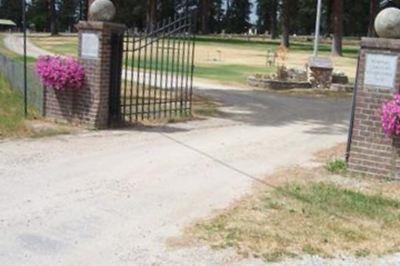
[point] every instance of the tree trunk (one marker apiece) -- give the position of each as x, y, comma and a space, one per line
285, 23
151, 14
373, 11
273, 12
83, 9
328, 19
205, 15
337, 27
53, 18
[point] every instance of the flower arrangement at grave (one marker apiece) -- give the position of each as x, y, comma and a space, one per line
390, 117
60, 73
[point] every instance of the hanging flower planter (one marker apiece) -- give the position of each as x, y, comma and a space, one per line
390, 117
60, 73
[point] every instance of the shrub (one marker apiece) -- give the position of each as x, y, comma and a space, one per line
390, 117
60, 73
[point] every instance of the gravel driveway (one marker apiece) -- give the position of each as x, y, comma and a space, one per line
115, 197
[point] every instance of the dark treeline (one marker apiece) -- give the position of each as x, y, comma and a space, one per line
276, 17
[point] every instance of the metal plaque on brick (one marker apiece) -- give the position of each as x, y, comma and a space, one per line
380, 70
90, 45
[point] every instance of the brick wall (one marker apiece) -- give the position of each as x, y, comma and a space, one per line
90, 105
372, 153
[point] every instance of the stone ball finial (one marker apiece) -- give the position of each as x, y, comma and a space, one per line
102, 10
387, 23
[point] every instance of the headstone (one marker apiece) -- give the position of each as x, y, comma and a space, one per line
321, 70
320, 62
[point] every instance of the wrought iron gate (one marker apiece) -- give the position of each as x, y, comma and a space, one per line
157, 75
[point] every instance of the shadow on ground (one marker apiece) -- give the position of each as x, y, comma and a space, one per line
260, 108
327, 115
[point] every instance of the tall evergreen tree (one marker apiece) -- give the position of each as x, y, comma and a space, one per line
38, 15
267, 11
337, 27
237, 18
68, 14
285, 23
151, 18
167, 9
373, 11
53, 17
205, 12
216, 16
11, 9
132, 13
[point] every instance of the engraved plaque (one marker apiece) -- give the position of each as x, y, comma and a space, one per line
380, 70
90, 45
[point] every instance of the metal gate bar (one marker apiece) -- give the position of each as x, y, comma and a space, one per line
158, 71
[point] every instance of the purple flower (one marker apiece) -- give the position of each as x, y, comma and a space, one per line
60, 73
390, 117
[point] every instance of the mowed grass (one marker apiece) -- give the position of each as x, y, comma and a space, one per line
13, 123
231, 61
12, 119
308, 211
64, 45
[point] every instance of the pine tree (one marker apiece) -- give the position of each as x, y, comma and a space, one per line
11, 9
373, 11
152, 8
38, 15
267, 11
217, 16
238, 16
132, 13
53, 17
205, 8
337, 27
285, 23
68, 14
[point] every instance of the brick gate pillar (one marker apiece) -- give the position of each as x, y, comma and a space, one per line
372, 153
100, 53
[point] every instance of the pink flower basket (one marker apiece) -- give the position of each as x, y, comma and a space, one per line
60, 73
390, 117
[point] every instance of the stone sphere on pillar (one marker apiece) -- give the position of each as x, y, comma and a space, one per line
387, 23
102, 10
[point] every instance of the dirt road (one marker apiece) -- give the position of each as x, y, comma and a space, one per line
115, 197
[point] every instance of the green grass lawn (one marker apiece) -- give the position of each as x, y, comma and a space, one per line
12, 119
224, 73
349, 50
240, 57
13, 123
230, 73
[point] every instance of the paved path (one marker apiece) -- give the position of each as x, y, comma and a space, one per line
116, 197
15, 43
